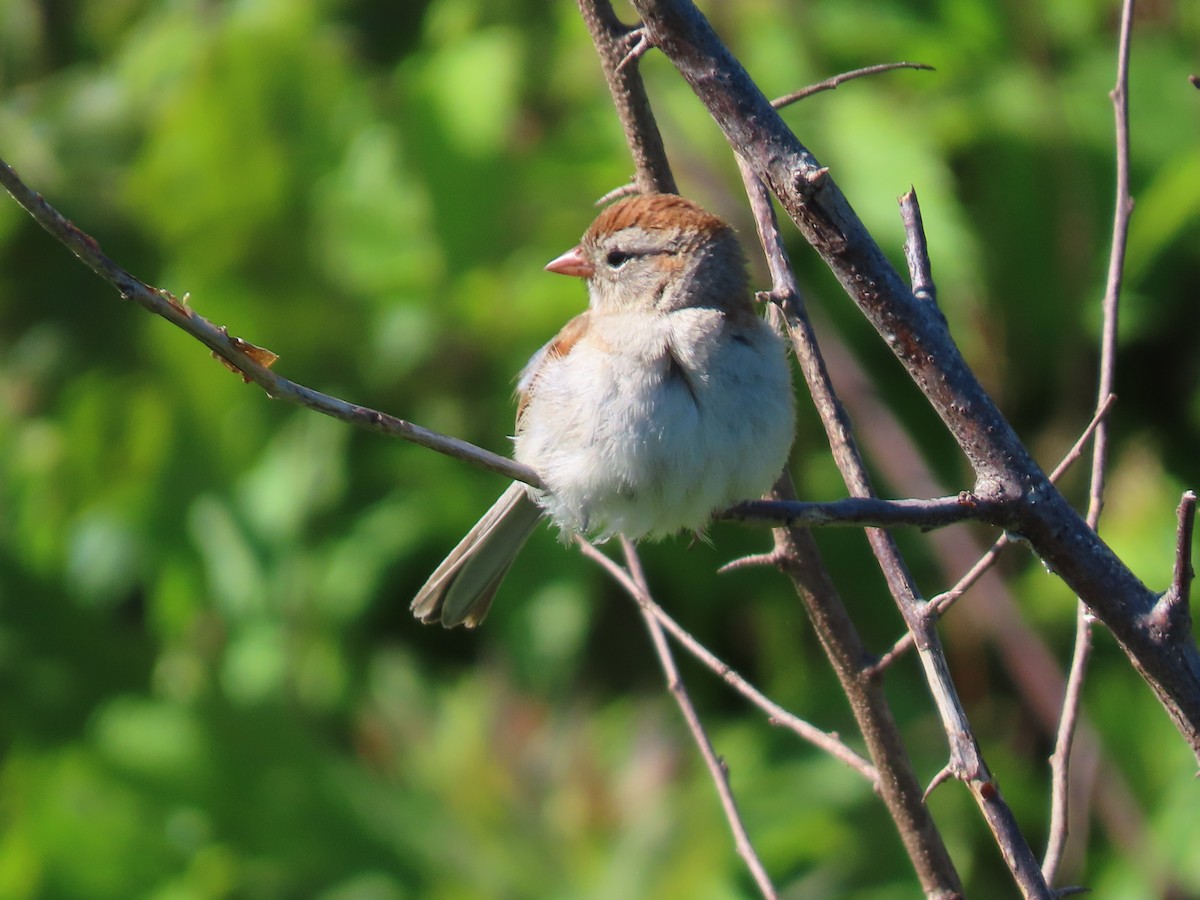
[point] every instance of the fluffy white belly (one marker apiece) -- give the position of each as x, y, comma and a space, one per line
644, 436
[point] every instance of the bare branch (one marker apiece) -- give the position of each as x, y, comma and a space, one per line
1076, 452
1073, 890
797, 556
716, 766
240, 355
1060, 760
966, 758
620, 47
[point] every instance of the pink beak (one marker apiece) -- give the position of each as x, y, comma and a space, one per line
572, 262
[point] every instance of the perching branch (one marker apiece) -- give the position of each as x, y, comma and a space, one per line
243, 357
248, 360
861, 511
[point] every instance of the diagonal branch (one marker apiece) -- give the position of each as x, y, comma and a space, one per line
716, 765
779, 716
615, 45
238, 354
966, 760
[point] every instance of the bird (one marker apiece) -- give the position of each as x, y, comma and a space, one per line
667, 400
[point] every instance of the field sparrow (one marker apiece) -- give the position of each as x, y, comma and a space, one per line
667, 400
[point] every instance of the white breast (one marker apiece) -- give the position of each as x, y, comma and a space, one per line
652, 423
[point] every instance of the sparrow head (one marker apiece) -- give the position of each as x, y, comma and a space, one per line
658, 251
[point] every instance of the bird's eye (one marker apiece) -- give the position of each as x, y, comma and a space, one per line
617, 258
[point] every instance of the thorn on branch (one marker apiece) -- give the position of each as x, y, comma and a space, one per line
946, 773
637, 44
811, 179
625, 190
1072, 890
1171, 617
749, 562
916, 250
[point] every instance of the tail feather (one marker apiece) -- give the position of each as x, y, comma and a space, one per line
461, 589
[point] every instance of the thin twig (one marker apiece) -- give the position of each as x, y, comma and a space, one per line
1060, 760
1072, 890
831, 83
716, 765
776, 714
241, 355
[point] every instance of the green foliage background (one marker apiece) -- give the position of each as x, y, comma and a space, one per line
210, 685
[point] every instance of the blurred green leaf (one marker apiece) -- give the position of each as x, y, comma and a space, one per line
210, 685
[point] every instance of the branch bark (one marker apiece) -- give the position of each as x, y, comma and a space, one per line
240, 355
966, 759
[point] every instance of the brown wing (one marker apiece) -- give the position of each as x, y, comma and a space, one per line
559, 346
